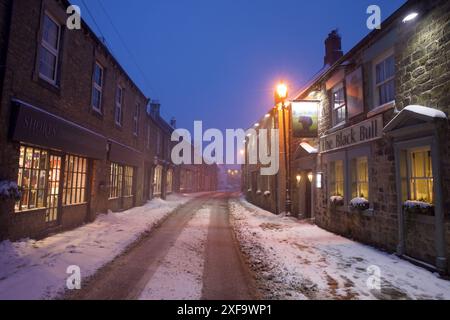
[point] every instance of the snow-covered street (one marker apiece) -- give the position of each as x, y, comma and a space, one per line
297, 260
37, 269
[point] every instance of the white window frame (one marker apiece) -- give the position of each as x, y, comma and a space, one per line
340, 86
95, 86
52, 50
380, 59
136, 114
119, 105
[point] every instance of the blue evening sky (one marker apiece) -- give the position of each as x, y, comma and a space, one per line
218, 60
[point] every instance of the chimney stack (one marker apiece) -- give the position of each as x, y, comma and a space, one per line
173, 122
155, 107
333, 48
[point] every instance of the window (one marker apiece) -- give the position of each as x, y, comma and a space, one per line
49, 50
115, 181
157, 181
421, 175
158, 143
97, 87
136, 119
337, 178
338, 105
33, 174
75, 174
385, 81
182, 180
119, 106
149, 131
360, 178
128, 181
169, 181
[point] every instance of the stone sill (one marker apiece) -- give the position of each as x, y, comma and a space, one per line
381, 109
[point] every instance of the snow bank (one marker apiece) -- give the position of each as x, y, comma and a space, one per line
32, 269
298, 260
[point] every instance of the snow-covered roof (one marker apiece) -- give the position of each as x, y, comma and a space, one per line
308, 148
414, 114
426, 111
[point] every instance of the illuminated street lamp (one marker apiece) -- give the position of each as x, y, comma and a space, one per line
281, 95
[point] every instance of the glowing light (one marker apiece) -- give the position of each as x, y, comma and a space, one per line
242, 152
410, 17
256, 125
282, 91
267, 115
299, 178
310, 176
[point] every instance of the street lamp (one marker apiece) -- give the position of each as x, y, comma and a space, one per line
281, 95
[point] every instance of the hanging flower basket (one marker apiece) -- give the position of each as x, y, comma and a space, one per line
10, 191
259, 192
337, 201
360, 204
418, 207
267, 193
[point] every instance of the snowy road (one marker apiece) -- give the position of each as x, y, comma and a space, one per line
192, 255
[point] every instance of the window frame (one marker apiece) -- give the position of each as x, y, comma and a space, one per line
128, 181
47, 46
376, 86
96, 86
340, 86
118, 110
136, 116
115, 181
410, 174
355, 174
80, 189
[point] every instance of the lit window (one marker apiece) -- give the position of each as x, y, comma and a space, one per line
118, 114
157, 181
97, 88
169, 181
360, 178
338, 105
128, 181
385, 80
337, 178
136, 119
32, 177
75, 174
115, 182
421, 176
49, 51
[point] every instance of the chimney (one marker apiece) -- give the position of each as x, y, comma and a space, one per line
173, 122
333, 48
155, 107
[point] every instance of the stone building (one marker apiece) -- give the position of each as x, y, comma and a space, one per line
379, 165
76, 134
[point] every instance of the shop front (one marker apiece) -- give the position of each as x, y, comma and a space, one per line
54, 171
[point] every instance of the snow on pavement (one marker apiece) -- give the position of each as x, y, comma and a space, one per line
180, 275
297, 260
32, 269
